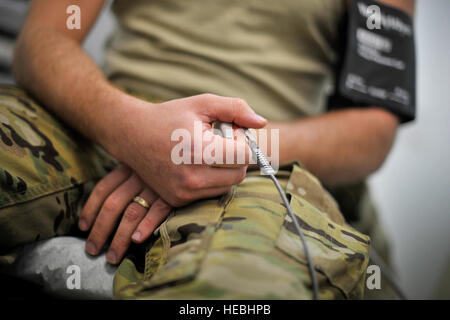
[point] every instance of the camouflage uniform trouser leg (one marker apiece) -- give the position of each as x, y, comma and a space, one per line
359, 210
46, 173
244, 246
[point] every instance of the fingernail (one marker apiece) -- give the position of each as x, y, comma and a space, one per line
91, 248
111, 256
258, 118
82, 225
136, 236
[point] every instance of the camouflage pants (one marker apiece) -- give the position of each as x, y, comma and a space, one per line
46, 173
238, 246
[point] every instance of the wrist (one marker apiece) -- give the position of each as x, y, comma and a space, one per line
288, 141
119, 118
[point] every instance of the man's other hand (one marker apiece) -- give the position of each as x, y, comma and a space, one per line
111, 204
140, 136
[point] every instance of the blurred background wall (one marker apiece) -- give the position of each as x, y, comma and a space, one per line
412, 190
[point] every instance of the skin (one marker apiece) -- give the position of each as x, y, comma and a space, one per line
50, 63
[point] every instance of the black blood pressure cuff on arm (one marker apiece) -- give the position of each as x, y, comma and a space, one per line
377, 62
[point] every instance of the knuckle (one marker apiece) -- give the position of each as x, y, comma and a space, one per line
207, 96
100, 188
238, 104
182, 197
191, 181
95, 235
111, 204
101, 228
120, 242
133, 213
146, 225
175, 202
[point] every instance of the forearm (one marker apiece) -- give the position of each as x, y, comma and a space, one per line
65, 80
339, 147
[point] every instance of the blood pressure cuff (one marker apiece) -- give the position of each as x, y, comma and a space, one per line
377, 63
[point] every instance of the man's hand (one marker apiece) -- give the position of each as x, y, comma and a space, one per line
140, 136
110, 200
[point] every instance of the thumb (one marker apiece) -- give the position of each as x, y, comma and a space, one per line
230, 110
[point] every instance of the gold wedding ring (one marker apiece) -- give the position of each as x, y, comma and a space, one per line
141, 201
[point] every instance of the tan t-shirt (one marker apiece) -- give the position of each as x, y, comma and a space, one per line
275, 54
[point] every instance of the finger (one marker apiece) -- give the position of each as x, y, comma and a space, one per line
226, 152
212, 192
112, 208
101, 191
130, 220
206, 177
230, 110
187, 197
157, 213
